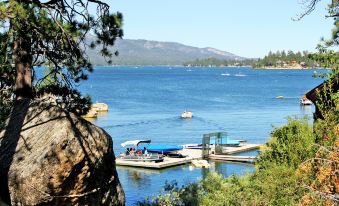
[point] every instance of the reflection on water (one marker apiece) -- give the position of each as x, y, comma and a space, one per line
306, 109
139, 183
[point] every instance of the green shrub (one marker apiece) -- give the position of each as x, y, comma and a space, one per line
275, 186
290, 144
174, 195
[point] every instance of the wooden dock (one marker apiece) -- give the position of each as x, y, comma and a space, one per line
168, 162
192, 154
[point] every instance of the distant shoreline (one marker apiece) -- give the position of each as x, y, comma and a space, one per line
286, 68
216, 67
247, 66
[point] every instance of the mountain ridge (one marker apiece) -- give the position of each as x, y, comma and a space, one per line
150, 52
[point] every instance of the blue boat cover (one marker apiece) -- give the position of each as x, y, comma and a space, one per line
162, 148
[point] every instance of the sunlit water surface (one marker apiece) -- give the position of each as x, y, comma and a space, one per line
146, 102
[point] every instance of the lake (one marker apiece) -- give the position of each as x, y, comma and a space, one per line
146, 103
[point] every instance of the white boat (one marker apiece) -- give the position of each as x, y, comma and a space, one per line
186, 115
305, 101
138, 154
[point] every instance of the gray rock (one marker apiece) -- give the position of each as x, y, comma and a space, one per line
51, 157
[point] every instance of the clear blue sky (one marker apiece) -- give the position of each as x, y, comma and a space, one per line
246, 28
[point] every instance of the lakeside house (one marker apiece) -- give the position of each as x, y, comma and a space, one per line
321, 92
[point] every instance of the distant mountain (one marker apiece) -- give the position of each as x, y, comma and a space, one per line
145, 52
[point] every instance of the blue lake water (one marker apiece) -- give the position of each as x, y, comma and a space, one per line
146, 102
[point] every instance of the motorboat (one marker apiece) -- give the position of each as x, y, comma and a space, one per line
186, 115
305, 101
137, 154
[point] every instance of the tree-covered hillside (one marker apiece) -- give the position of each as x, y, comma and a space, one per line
279, 59
214, 62
289, 59
146, 52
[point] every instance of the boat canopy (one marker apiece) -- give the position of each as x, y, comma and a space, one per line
135, 142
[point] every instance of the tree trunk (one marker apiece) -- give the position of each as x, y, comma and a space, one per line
22, 58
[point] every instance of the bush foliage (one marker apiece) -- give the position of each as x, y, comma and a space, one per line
289, 145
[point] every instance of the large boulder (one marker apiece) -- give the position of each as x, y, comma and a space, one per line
52, 157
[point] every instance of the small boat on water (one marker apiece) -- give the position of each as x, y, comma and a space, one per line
305, 101
186, 115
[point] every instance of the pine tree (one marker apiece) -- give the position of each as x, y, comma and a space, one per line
55, 33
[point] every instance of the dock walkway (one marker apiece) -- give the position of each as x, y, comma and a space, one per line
233, 158
244, 147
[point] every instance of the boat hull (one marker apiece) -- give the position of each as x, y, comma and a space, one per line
305, 102
142, 158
